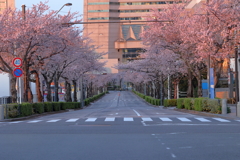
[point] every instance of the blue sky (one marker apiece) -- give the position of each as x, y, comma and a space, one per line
55, 5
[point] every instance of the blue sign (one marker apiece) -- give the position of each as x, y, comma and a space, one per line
212, 92
17, 72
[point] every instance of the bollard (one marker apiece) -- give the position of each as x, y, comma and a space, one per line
224, 106
1, 112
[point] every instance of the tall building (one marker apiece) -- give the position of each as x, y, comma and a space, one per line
6, 3
121, 39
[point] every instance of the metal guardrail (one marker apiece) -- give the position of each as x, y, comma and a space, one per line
5, 100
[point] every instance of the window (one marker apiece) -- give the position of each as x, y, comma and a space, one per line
103, 3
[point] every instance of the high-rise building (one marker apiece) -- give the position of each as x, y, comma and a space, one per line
121, 40
6, 4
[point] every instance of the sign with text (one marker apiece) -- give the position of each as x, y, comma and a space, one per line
17, 62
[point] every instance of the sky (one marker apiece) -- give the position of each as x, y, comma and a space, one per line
77, 5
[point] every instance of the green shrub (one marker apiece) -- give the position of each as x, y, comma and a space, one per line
214, 105
187, 103
172, 102
165, 103
198, 104
48, 107
180, 103
62, 106
11, 110
56, 106
38, 108
228, 110
26, 109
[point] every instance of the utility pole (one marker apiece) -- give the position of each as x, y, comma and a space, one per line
24, 12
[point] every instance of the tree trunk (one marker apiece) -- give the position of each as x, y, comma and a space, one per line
74, 91
199, 80
38, 87
49, 92
175, 83
27, 93
190, 86
68, 97
13, 91
56, 90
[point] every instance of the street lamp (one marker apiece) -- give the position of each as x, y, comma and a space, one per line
67, 4
55, 78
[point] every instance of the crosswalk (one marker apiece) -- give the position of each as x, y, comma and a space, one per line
132, 119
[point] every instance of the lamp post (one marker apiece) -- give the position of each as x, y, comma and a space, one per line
55, 77
67, 4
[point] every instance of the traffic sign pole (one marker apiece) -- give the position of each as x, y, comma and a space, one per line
17, 72
20, 91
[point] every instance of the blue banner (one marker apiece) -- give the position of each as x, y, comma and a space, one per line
212, 92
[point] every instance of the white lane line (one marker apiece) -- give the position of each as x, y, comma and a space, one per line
238, 120
128, 119
184, 119
91, 120
16, 122
54, 120
136, 112
166, 119
147, 119
110, 119
221, 120
34, 121
173, 155
72, 120
202, 119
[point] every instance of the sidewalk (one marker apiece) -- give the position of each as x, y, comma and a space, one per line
231, 115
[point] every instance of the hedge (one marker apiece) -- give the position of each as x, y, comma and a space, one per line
148, 99
170, 102
180, 104
201, 104
56, 106
38, 108
26, 109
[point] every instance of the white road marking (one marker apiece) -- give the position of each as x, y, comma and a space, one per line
54, 120
110, 119
184, 119
136, 113
202, 119
167, 148
72, 120
166, 119
147, 119
91, 120
173, 155
128, 119
116, 113
35, 121
16, 122
221, 120
238, 120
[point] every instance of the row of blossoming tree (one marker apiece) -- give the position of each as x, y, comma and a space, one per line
48, 49
182, 46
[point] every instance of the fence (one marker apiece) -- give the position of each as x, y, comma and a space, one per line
5, 100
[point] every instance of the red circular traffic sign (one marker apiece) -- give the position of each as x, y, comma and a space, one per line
17, 72
17, 62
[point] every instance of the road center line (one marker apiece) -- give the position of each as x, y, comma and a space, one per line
136, 113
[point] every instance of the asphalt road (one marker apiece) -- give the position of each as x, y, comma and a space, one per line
120, 126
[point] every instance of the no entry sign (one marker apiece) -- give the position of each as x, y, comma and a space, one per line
17, 72
17, 62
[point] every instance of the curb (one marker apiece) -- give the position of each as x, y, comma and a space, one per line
204, 113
